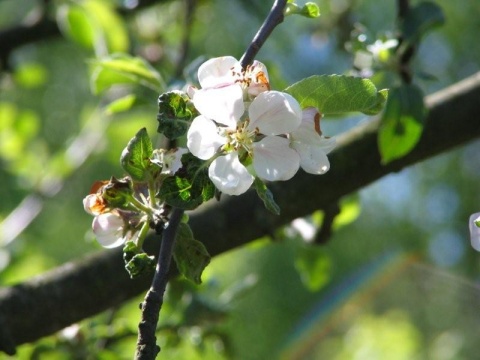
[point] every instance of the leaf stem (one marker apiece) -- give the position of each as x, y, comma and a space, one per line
147, 349
274, 18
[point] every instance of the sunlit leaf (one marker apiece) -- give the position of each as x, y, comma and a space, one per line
402, 122
75, 23
123, 69
313, 265
334, 94
135, 157
125, 103
95, 25
31, 75
190, 255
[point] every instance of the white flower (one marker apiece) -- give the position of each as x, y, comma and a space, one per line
310, 144
109, 229
225, 71
169, 160
251, 140
224, 82
474, 230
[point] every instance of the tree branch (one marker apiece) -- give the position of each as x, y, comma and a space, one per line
85, 287
274, 18
147, 348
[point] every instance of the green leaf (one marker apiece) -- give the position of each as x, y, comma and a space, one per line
135, 157
313, 265
110, 27
190, 255
190, 187
309, 10
402, 122
382, 97
334, 94
95, 25
123, 69
137, 262
120, 105
175, 111
266, 196
76, 24
420, 19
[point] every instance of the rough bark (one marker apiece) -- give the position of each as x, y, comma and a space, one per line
82, 288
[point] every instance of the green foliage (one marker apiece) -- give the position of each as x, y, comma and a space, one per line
190, 255
93, 24
175, 112
190, 187
420, 19
334, 94
135, 159
266, 196
123, 69
313, 265
125, 103
309, 10
402, 122
137, 262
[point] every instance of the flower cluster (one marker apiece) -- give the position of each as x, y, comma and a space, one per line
123, 211
245, 130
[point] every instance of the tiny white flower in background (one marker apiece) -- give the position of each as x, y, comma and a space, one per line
474, 226
310, 144
270, 114
109, 229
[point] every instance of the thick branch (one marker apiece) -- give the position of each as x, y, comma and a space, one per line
77, 290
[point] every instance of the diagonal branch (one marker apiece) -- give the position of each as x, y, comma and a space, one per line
85, 287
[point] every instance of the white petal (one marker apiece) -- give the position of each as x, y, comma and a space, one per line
108, 229
224, 105
259, 78
474, 231
274, 113
313, 159
229, 175
273, 159
203, 139
216, 72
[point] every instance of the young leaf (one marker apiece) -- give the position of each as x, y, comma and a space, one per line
190, 255
333, 94
174, 114
135, 158
402, 122
190, 186
123, 69
266, 196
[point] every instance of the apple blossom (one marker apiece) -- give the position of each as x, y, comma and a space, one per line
109, 229
312, 147
225, 131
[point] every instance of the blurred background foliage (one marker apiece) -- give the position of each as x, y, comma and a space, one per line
397, 279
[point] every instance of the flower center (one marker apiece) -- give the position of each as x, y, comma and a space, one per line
241, 139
